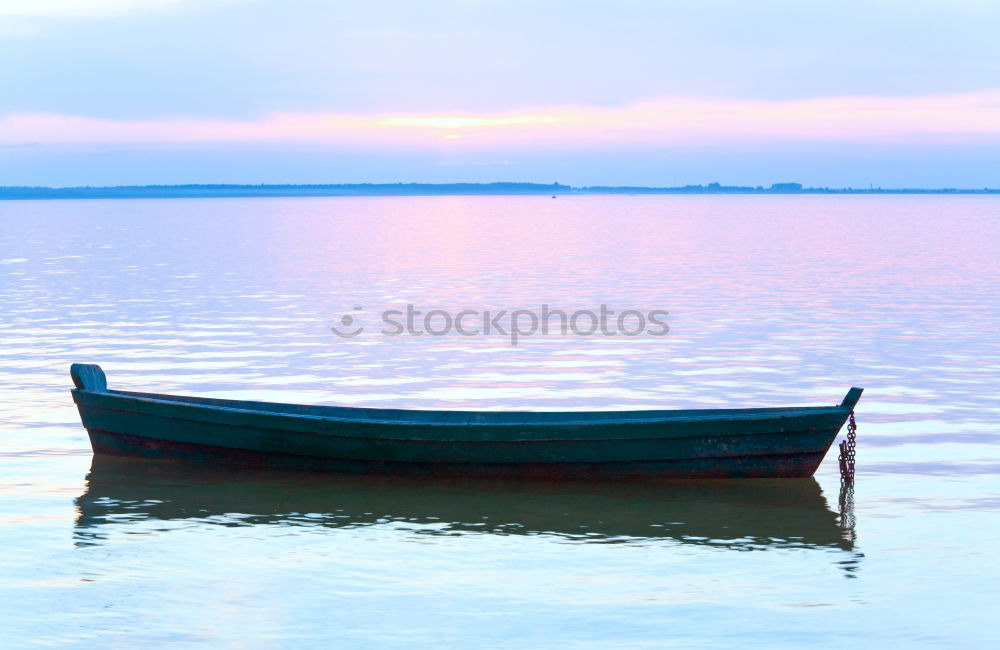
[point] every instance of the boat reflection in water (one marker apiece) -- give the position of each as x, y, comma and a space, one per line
740, 514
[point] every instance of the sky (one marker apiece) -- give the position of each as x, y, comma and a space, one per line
881, 93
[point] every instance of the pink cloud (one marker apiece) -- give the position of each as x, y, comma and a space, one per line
661, 121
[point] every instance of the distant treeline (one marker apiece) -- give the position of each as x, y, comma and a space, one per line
430, 189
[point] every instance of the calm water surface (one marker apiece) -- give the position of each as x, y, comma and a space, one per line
773, 301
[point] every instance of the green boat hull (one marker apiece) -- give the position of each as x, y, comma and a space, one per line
718, 443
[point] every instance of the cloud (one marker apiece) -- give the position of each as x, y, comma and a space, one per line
656, 122
88, 8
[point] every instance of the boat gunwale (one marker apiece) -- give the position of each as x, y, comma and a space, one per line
491, 418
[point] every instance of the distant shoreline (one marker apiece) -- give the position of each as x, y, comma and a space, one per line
430, 189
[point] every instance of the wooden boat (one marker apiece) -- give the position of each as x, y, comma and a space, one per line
715, 443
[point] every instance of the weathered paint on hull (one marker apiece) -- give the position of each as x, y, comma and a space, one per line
712, 443
759, 466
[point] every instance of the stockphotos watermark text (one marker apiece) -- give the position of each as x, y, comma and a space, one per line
512, 324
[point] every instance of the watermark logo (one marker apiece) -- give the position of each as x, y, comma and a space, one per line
347, 326
512, 324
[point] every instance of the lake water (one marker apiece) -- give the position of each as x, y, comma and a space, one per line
772, 301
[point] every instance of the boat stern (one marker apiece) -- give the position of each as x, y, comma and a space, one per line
89, 377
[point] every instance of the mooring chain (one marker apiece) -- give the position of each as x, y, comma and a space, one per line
847, 447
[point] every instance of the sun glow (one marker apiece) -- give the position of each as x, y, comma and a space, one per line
659, 122
462, 122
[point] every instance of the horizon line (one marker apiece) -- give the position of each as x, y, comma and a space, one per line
235, 190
